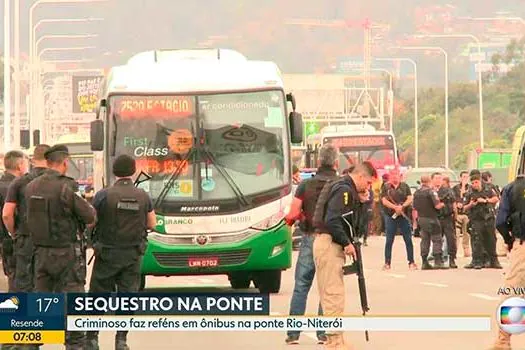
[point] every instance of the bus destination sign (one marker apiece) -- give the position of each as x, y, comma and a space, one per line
360, 141
155, 106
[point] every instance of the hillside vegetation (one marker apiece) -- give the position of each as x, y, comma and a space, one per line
504, 112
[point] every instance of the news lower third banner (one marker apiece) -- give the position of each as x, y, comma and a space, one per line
278, 323
36, 318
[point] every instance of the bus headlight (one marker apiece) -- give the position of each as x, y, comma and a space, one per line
269, 222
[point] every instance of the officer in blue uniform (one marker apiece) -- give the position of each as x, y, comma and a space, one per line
510, 222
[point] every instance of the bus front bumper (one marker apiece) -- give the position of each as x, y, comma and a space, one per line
265, 250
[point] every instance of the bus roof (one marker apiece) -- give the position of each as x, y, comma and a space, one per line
192, 75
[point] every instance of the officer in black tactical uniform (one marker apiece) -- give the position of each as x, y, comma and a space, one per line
479, 202
15, 165
447, 220
303, 206
427, 206
124, 214
53, 215
15, 218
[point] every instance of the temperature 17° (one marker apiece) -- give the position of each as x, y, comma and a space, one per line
45, 303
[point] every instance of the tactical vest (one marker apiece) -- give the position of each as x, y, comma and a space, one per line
424, 204
324, 197
5, 181
50, 219
517, 206
482, 211
446, 195
313, 188
21, 207
123, 218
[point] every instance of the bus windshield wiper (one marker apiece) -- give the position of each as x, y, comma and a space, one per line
236, 190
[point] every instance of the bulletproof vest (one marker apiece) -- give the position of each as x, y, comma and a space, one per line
483, 211
447, 197
313, 188
324, 197
424, 204
123, 218
21, 210
517, 206
50, 219
5, 181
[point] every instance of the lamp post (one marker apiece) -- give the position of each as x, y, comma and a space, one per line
31, 42
503, 18
480, 80
36, 67
7, 75
50, 49
416, 124
444, 52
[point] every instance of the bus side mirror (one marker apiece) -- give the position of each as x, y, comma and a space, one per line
296, 127
97, 135
101, 107
291, 98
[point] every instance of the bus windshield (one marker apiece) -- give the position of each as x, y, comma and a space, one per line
81, 169
377, 149
217, 145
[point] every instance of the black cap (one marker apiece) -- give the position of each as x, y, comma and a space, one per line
124, 166
56, 149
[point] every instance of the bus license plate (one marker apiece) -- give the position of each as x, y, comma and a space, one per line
203, 262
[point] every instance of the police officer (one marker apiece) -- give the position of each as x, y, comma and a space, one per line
447, 219
462, 232
124, 214
15, 165
427, 206
15, 218
332, 243
303, 206
479, 202
511, 225
53, 216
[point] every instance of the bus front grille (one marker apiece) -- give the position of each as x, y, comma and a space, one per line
229, 258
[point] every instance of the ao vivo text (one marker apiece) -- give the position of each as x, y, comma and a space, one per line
511, 291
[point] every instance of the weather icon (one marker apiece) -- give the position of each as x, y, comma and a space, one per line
9, 305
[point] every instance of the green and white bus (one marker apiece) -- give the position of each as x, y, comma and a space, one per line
213, 131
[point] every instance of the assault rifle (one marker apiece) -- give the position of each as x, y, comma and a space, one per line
357, 265
143, 177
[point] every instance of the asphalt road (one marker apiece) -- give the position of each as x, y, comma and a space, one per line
397, 292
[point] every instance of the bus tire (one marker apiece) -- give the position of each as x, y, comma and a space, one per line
142, 283
268, 281
240, 280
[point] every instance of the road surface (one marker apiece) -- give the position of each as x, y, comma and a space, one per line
397, 292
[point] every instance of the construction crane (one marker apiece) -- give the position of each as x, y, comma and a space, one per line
373, 32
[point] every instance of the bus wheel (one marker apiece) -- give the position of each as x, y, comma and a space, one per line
239, 280
268, 281
142, 283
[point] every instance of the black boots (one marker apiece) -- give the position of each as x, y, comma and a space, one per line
438, 262
92, 341
425, 265
452, 263
120, 341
